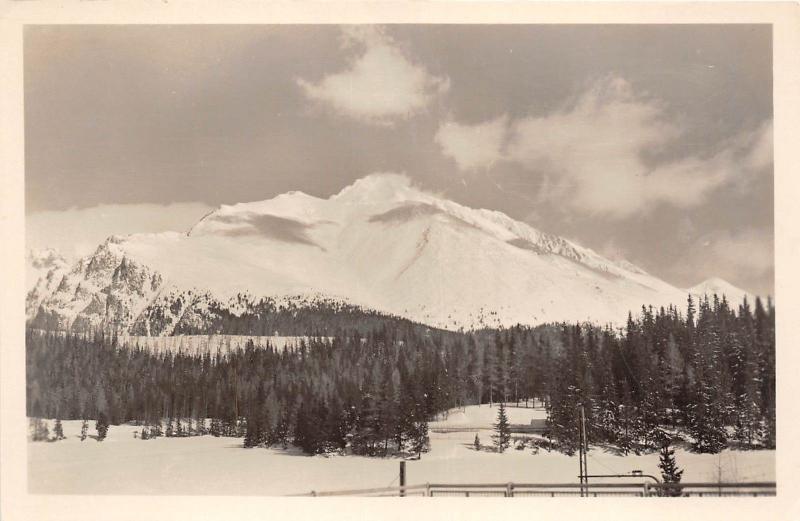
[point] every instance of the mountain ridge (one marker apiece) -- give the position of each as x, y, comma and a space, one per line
380, 244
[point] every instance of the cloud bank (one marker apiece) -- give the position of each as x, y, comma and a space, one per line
591, 153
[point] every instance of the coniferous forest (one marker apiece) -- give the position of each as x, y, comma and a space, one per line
705, 374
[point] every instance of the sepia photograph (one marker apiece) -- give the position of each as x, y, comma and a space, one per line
401, 260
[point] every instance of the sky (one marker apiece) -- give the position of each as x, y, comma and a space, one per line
650, 143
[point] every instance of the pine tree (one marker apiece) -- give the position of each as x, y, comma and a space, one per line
419, 440
707, 409
253, 435
502, 436
58, 430
84, 429
335, 429
304, 430
216, 428
764, 322
477, 442
562, 419
102, 426
282, 430
670, 473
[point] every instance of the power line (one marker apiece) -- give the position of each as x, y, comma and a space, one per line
392, 482
604, 465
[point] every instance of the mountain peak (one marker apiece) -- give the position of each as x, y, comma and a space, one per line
380, 187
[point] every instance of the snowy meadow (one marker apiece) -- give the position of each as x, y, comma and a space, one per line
124, 464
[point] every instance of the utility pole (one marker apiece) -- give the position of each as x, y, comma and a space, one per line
580, 458
402, 478
583, 447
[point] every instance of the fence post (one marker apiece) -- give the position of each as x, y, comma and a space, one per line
509, 490
427, 490
402, 478
646, 489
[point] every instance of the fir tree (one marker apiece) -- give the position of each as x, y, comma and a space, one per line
562, 419
101, 425
477, 442
216, 428
253, 434
84, 429
419, 438
670, 473
305, 431
58, 430
502, 436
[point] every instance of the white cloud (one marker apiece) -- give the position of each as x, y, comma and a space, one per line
77, 232
473, 147
380, 85
590, 154
760, 145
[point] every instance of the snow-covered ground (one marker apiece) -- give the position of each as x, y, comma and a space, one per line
484, 416
123, 464
199, 344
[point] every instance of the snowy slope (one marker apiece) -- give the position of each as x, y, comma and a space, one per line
380, 243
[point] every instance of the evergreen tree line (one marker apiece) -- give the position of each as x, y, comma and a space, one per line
709, 373
373, 394
262, 317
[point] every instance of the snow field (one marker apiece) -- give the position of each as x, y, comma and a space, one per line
123, 464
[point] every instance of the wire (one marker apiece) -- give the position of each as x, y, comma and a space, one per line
603, 464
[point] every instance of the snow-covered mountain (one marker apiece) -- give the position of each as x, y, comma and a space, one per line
380, 243
717, 286
43, 270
